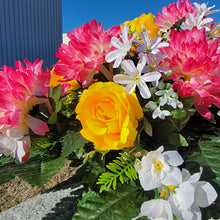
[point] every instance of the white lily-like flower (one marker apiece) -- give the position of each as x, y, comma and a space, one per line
160, 168
156, 209
148, 46
133, 77
199, 21
168, 99
190, 195
122, 48
203, 9
160, 113
13, 143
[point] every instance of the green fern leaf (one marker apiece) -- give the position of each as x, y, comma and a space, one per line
121, 167
122, 204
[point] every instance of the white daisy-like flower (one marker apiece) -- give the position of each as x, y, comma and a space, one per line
157, 209
122, 48
133, 77
199, 21
213, 33
148, 46
190, 195
159, 168
203, 9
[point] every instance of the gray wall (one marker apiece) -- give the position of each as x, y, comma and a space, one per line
30, 29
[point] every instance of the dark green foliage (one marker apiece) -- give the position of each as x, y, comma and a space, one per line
73, 142
123, 204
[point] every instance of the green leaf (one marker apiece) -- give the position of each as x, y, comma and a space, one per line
53, 118
73, 142
39, 173
55, 93
147, 127
123, 204
178, 113
209, 155
183, 141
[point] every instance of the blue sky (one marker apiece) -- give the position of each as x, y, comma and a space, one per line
114, 12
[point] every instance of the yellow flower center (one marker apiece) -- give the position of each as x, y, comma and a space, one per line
158, 165
163, 194
171, 187
136, 78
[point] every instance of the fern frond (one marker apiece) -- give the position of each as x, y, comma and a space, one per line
121, 167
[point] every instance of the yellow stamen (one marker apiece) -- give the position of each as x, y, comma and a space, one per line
158, 165
136, 78
163, 194
171, 187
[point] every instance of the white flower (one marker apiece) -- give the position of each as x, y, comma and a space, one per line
157, 209
203, 9
199, 21
213, 33
122, 48
168, 99
190, 195
134, 78
148, 46
13, 143
160, 113
159, 169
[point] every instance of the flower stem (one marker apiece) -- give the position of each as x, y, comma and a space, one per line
108, 74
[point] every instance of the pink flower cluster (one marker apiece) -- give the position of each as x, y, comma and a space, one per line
195, 64
81, 58
173, 13
20, 90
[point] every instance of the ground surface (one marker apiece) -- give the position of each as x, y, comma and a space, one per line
17, 191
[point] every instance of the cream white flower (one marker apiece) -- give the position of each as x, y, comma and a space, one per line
203, 9
148, 46
190, 195
122, 48
157, 209
199, 21
133, 77
160, 168
13, 143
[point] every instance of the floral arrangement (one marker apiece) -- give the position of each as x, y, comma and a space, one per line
135, 108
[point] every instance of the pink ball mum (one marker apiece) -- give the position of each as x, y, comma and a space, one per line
81, 58
173, 13
19, 89
195, 65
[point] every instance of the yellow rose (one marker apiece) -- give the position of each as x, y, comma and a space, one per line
146, 20
109, 116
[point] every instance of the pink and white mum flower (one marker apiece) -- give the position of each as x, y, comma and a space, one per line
82, 58
20, 90
195, 64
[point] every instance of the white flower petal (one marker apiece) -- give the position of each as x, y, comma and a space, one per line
129, 67
142, 62
130, 87
173, 158
184, 196
151, 76
118, 60
144, 90
122, 79
173, 177
156, 209
117, 43
205, 194
112, 55
148, 181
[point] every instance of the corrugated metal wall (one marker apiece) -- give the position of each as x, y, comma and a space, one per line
30, 29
